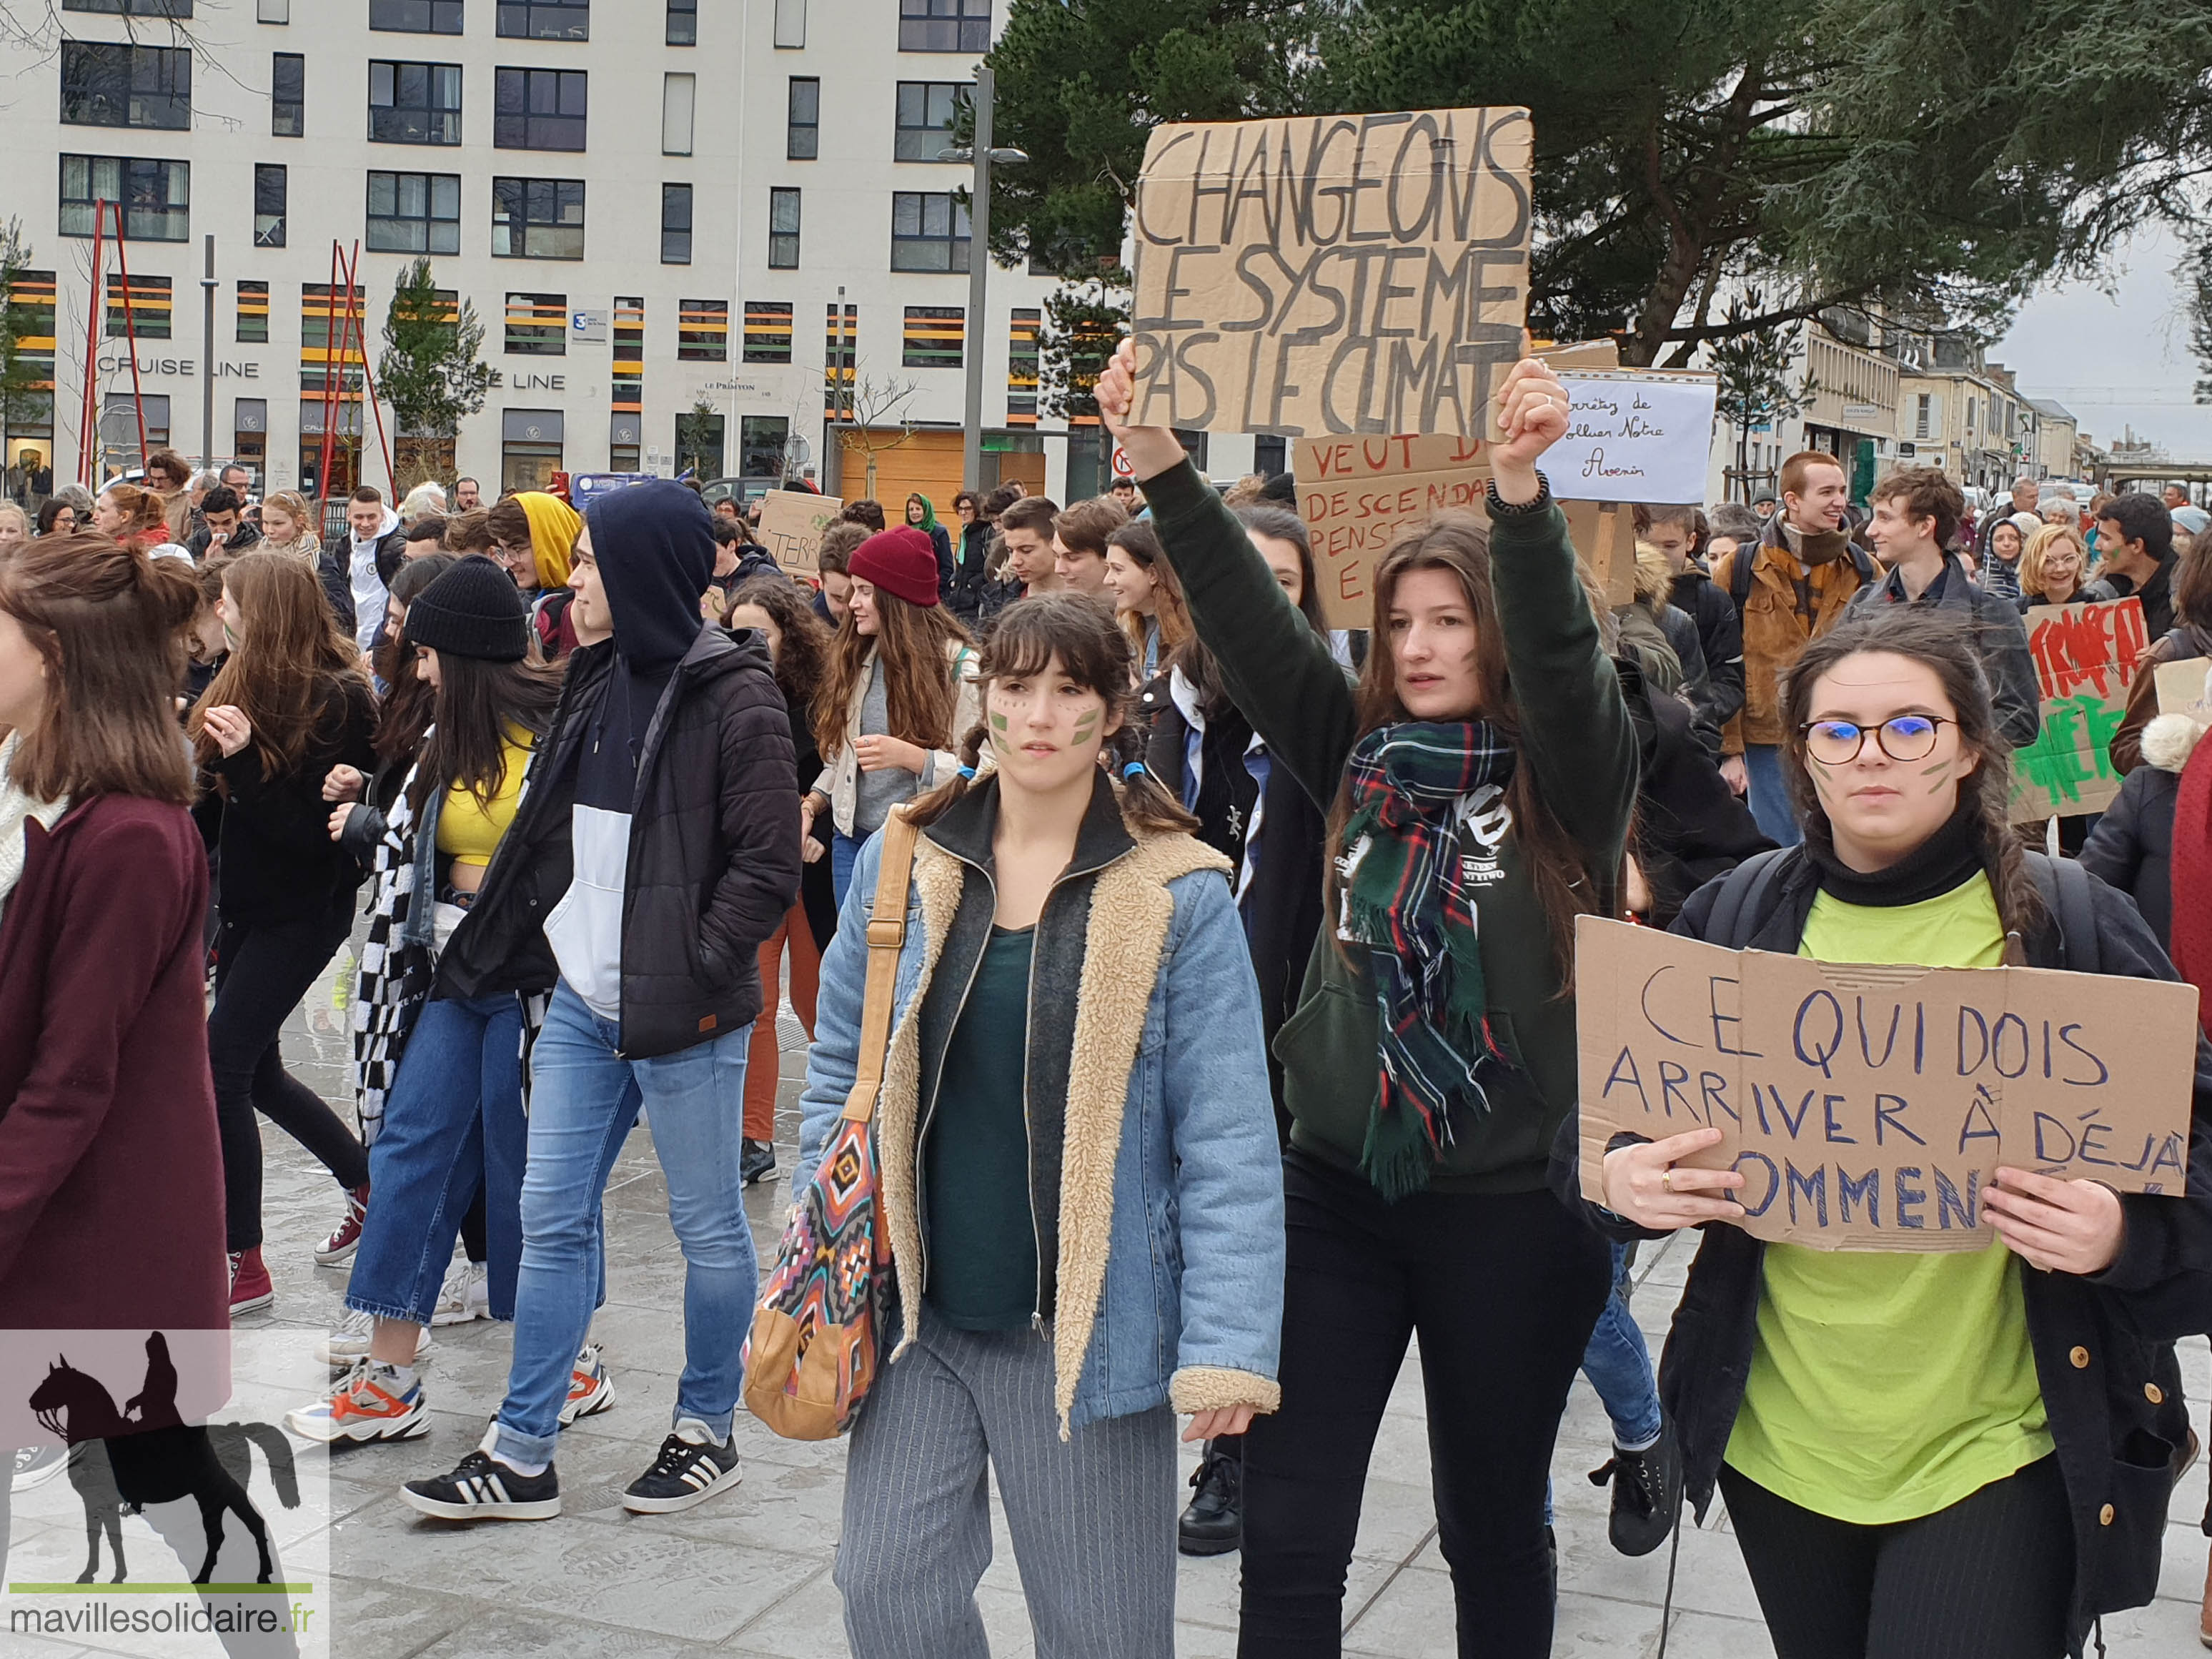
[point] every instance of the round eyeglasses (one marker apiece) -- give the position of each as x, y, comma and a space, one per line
1901, 737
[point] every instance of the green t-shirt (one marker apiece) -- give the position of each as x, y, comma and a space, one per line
975, 1163
1888, 1385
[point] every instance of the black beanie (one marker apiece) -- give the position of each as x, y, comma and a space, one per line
474, 609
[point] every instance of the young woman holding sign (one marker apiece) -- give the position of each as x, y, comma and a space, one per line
1963, 1454
1481, 776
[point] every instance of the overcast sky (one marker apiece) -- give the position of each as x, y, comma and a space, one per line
2117, 358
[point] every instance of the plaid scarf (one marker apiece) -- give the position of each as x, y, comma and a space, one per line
1406, 899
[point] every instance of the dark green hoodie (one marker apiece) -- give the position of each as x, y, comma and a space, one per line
1577, 737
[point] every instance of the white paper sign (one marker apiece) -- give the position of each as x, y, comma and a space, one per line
1634, 438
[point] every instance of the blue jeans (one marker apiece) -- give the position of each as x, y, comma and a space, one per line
584, 1098
1619, 1365
1768, 795
453, 1122
844, 852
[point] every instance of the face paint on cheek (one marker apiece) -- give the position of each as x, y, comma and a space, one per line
1087, 726
1820, 786
1937, 776
999, 740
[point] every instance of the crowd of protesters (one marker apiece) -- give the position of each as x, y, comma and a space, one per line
1232, 1046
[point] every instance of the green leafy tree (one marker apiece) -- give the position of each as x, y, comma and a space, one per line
1936, 160
25, 395
1754, 383
429, 370
2200, 320
1081, 326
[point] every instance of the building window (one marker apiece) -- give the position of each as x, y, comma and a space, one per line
545, 19
123, 418
272, 11
416, 16
683, 22
925, 109
783, 229
249, 438
414, 103
330, 348
253, 313
933, 337
929, 231
120, 85
679, 94
1022, 366
287, 94
768, 332
626, 381
537, 324
537, 109
944, 26
1923, 416
538, 218
157, 196
132, 7
803, 135
269, 191
146, 315
790, 23
702, 330
676, 224
415, 213
763, 442
1270, 453
530, 453
840, 350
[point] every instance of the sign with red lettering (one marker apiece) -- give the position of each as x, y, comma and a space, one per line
1868, 1107
1317, 274
2086, 656
1359, 495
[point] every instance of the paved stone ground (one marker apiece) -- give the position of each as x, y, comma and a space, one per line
749, 1573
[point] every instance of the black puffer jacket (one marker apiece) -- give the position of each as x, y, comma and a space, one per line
714, 849
2102, 1344
1689, 826
2132, 847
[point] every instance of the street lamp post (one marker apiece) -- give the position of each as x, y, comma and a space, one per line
979, 268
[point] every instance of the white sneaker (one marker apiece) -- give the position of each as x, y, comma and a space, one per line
590, 1388
465, 1295
348, 1346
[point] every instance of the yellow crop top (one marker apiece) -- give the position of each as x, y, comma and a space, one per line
469, 830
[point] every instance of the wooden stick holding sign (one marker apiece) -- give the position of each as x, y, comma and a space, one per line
791, 526
1868, 1107
1349, 274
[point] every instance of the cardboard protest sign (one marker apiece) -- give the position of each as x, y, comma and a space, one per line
2085, 657
1635, 437
1357, 495
2185, 688
1310, 274
1869, 1108
791, 526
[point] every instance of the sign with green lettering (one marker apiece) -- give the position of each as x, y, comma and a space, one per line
2086, 656
1869, 1107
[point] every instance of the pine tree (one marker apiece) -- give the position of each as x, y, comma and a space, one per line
429, 371
26, 399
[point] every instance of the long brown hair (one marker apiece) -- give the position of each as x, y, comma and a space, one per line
109, 621
802, 660
477, 700
1077, 633
145, 513
290, 665
921, 691
1141, 542
1950, 652
1566, 885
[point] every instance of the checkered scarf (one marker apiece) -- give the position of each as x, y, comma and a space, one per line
1406, 899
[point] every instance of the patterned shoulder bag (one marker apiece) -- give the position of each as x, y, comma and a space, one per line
811, 1356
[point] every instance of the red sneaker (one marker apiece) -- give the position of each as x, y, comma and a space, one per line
250, 1289
340, 1245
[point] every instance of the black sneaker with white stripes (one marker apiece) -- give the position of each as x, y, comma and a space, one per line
690, 1469
482, 1488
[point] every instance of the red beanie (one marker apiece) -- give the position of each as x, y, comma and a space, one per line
901, 561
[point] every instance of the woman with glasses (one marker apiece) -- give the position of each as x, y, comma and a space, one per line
533, 535
1967, 1454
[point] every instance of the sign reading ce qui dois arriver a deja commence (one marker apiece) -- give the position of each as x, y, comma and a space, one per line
1869, 1107
1309, 274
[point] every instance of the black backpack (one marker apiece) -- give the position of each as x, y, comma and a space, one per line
1750, 893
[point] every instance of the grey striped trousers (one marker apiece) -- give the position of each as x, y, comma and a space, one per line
1092, 1518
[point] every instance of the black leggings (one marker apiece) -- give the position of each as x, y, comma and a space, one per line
262, 970
1990, 1577
1504, 1290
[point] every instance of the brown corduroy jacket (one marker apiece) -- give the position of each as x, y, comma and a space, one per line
1774, 630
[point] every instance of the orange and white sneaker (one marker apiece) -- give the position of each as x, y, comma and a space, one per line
590, 1388
368, 1405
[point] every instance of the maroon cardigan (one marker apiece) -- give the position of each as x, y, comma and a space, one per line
111, 1177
